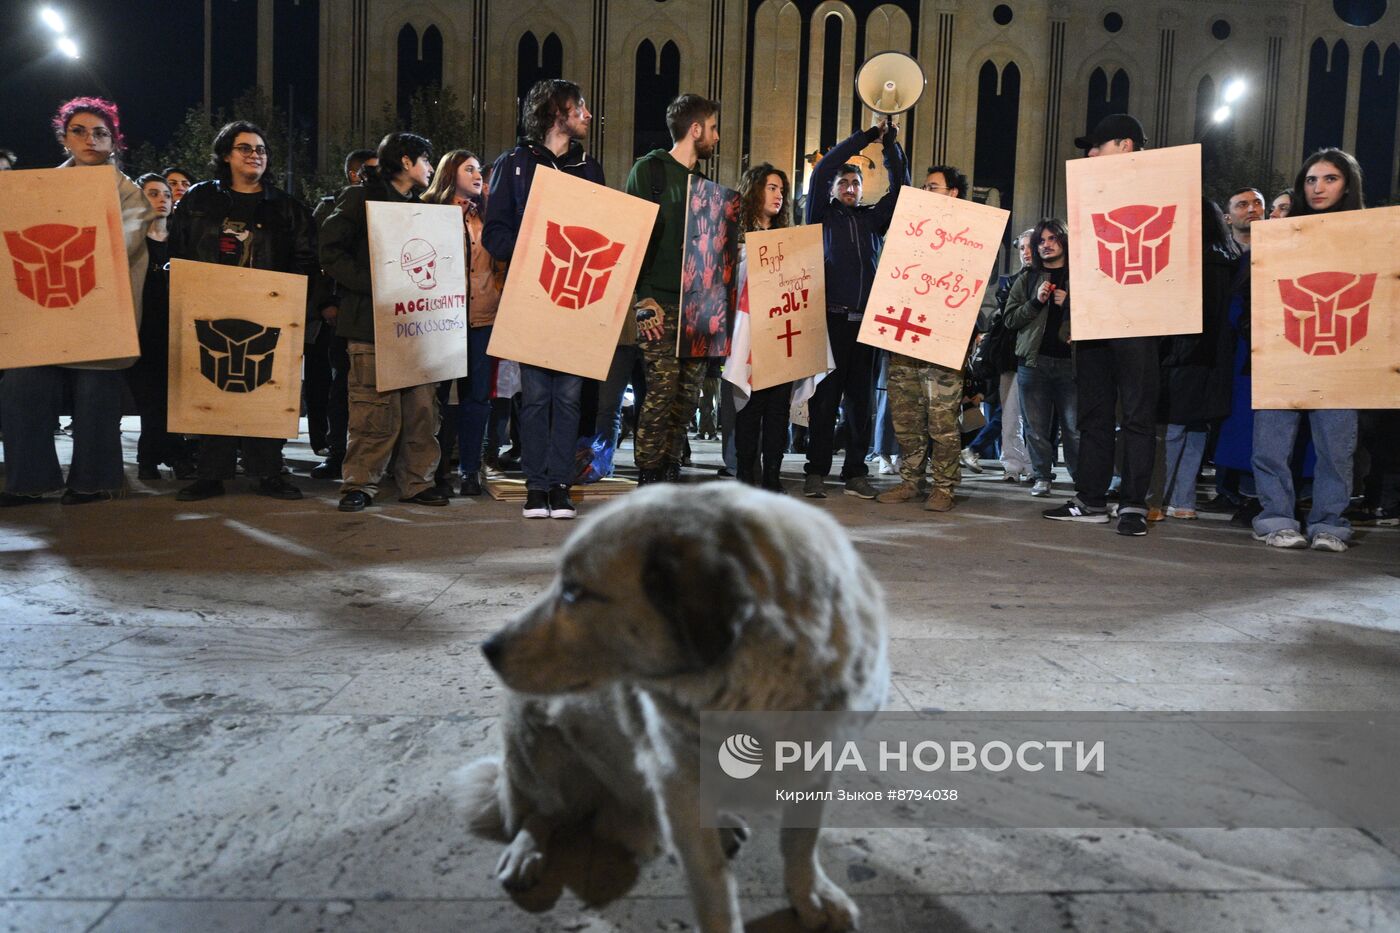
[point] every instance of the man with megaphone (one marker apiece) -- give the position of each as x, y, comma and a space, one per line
852, 234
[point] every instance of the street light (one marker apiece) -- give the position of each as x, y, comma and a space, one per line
67, 46
1221, 114
52, 20
1234, 91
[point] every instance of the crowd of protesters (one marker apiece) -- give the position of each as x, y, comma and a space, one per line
1132, 422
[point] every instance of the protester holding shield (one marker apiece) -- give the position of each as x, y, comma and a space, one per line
1329, 182
399, 421
89, 129
239, 218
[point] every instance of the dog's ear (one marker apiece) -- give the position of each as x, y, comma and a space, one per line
701, 589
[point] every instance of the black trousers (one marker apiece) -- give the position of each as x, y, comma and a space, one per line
1109, 374
325, 383
851, 384
149, 381
762, 426
218, 455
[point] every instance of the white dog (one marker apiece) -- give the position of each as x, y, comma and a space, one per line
672, 601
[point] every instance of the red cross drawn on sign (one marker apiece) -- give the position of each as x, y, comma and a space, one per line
902, 324
788, 335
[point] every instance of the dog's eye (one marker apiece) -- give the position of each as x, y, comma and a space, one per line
571, 593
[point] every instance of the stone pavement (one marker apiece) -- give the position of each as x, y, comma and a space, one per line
248, 715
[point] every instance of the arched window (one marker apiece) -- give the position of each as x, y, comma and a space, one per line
1205, 104
418, 66
1325, 116
535, 62
1106, 96
1375, 119
658, 82
831, 131
998, 112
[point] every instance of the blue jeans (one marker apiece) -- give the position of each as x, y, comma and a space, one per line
1047, 388
1185, 449
1334, 439
549, 406
30, 401
474, 400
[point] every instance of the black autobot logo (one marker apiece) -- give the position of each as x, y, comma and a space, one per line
234, 354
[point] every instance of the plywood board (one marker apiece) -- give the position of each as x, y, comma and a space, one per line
236, 340
65, 284
787, 304
1325, 311
939, 255
1135, 243
708, 267
418, 272
576, 262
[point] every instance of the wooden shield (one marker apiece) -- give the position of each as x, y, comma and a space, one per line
65, 285
1325, 312
787, 304
938, 258
418, 273
235, 350
1135, 244
576, 262
708, 270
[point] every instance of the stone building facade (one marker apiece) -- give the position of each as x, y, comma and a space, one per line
1009, 85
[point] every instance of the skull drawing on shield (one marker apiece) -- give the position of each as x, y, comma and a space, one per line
1326, 312
54, 265
234, 354
419, 259
1134, 242
577, 264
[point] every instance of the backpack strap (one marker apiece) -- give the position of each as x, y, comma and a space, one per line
658, 180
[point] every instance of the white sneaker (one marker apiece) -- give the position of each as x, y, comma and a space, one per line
1324, 541
888, 466
1041, 488
968, 458
1286, 538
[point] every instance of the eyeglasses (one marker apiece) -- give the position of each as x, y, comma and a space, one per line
937, 188
97, 132
246, 150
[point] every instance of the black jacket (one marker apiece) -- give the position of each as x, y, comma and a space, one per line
852, 236
511, 178
1197, 369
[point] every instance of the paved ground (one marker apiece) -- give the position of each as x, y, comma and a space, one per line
245, 715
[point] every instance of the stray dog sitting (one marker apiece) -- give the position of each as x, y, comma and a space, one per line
672, 601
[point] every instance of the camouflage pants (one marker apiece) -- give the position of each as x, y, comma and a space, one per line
925, 401
673, 391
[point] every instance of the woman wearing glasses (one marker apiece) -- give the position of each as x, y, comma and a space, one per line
89, 129
239, 218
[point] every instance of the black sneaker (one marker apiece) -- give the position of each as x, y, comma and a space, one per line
1132, 523
647, 477
430, 496
147, 473
201, 489
184, 469
327, 469
355, 501
671, 473
275, 487
471, 485
12, 499
560, 505
813, 486
72, 497
1075, 511
536, 504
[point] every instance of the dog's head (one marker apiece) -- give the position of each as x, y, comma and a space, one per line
650, 587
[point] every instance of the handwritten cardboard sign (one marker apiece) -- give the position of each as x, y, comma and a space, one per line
576, 263
1135, 243
708, 267
1325, 310
787, 304
65, 285
939, 255
235, 350
418, 271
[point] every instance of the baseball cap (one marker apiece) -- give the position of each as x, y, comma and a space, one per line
1113, 126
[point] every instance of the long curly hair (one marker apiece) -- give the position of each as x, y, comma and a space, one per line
543, 105
751, 197
103, 109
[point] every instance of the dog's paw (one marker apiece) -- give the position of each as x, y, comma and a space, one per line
825, 907
520, 865
733, 833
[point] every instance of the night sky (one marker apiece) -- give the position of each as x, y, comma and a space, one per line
147, 55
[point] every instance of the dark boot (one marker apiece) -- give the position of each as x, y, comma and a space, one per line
647, 477
772, 478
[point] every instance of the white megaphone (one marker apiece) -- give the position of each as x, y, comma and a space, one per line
890, 82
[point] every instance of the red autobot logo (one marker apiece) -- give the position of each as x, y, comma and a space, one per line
54, 265
577, 264
1325, 313
1134, 242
